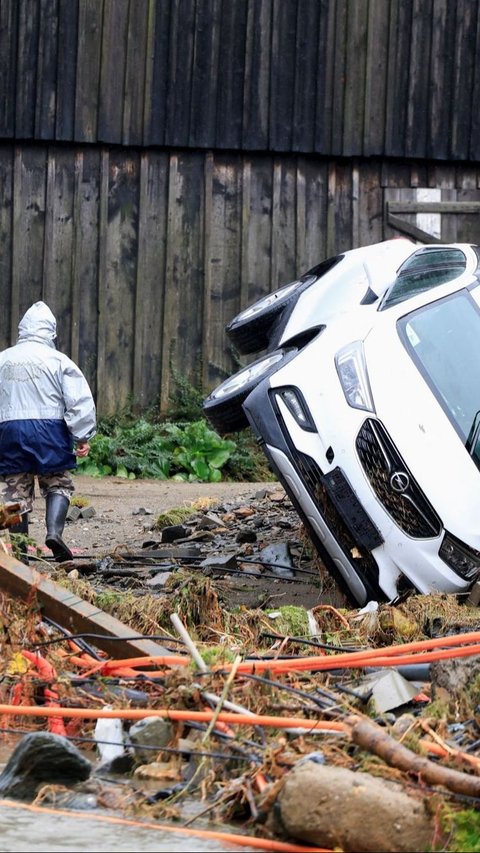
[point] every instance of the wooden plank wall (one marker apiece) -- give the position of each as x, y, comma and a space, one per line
332, 77
145, 255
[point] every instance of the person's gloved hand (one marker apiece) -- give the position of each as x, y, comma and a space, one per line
82, 448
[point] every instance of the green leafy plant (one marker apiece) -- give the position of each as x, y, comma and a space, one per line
197, 452
178, 444
191, 452
185, 402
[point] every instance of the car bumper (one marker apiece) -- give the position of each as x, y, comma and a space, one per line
359, 541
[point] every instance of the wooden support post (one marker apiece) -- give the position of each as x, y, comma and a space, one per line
72, 613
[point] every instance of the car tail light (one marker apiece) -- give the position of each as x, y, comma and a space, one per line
463, 560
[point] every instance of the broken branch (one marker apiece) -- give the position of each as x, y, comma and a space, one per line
373, 738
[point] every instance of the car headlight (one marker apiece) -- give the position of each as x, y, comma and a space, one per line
352, 372
297, 407
463, 560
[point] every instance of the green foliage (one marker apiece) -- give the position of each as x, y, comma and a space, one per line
177, 515
247, 462
464, 831
186, 401
197, 452
192, 452
79, 500
179, 445
20, 543
217, 655
292, 621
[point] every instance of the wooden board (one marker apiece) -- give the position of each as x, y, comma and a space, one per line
89, 51
71, 612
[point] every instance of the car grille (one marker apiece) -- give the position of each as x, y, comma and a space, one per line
409, 508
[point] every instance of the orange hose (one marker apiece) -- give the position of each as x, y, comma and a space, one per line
198, 716
316, 662
76, 660
47, 672
229, 837
89, 659
158, 660
438, 749
398, 660
313, 664
221, 727
260, 781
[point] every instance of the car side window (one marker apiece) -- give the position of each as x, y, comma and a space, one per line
424, 270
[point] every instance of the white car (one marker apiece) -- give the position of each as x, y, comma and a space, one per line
366, 403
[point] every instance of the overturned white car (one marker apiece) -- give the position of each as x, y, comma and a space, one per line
367, 406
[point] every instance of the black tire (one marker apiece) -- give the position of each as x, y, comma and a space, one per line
223, 406
249, 330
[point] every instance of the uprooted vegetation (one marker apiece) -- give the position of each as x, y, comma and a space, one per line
244, 768
324, 722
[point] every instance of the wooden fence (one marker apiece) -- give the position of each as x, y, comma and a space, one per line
144, 256
334, 77
165, 162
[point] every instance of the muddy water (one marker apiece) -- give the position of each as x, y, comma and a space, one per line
23, 831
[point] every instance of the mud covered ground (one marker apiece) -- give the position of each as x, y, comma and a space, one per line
251, 518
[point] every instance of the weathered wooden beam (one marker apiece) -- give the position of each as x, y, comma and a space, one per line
462, 207
412, 230
73, 613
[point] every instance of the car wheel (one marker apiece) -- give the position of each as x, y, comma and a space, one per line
223, 407
249, 330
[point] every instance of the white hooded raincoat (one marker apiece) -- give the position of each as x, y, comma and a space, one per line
45, 401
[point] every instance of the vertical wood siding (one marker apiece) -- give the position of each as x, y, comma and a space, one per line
144, 256
163, 163
332, 77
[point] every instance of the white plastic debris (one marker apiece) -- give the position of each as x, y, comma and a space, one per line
313, 625
109, 737
370, 607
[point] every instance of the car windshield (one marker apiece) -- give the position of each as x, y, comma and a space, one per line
425, 269
443, 340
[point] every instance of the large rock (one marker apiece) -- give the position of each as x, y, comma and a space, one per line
456, 676
42, 758
336, 808
148, 736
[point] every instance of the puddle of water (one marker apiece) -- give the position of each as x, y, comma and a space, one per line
48, 832
52, 833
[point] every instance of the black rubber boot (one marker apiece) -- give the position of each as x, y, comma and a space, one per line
55, 515
21, 527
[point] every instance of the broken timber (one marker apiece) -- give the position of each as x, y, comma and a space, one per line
72, 612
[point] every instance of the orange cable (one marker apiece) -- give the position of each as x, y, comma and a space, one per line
47, 672
438, 749
199, 716
312, 662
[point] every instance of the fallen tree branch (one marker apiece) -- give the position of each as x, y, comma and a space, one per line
373, 738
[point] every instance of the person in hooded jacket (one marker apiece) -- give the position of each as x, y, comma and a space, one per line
47, 417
